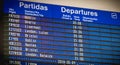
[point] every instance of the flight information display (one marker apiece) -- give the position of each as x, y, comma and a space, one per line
45, 34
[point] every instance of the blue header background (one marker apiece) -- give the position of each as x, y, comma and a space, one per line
54, 11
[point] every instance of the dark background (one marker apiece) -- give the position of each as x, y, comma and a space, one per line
2, 61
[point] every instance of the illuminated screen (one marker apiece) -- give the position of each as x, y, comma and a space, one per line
45, 34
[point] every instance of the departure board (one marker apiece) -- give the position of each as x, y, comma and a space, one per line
45, 34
